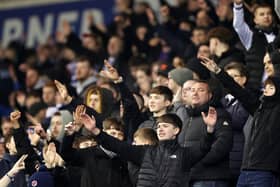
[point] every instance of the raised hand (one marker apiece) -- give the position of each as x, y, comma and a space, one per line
89, 123
63, 91
76, 125
40, 131
51, 157
110, 72
66, 28
19, 165
33, 136
63, 32
151, 16
58, 160
14, 117
69, 129
210, 119
209, 64
80, 109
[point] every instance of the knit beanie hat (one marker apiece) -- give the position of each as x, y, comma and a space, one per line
181, 75
41, 178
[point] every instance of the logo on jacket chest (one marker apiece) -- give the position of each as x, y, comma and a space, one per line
173, 156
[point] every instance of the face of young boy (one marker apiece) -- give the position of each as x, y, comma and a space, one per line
115, 133
157, 103
166, 131
11, 146
263, 17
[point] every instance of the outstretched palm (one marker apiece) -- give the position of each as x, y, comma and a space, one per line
61, 89
49, 155
19, 165
208, 63
110, 72
211, 118
89, 122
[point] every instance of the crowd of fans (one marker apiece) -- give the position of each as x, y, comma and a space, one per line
186, 97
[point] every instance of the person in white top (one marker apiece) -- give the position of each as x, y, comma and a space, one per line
262, 18
255, 39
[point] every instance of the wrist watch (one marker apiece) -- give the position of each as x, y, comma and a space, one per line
10, 177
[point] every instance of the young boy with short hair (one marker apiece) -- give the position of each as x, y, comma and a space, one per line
167, 163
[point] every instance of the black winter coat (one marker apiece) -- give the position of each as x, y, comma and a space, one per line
164, 165
232, 55
98, 169
262, 146
215, 165
254, 60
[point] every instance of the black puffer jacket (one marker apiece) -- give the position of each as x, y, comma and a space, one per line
215, 165
168, 164
262, 145
232, 55
164, 165
254, 60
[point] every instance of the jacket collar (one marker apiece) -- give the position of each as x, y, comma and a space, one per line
10, 158
196, 111
169, 144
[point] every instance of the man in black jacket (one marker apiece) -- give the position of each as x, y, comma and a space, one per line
260, 163
213, 169
166, 164
221, 49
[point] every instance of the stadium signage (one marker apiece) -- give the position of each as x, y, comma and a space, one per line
35, 24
